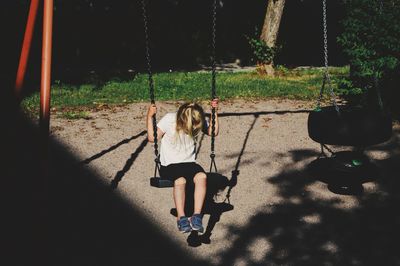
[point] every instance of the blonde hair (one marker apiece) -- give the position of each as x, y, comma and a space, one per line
190, 119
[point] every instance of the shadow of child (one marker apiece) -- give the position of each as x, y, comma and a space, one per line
216, 183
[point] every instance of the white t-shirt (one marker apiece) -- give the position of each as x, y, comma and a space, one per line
175, 148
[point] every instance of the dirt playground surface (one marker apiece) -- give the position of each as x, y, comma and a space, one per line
271, 210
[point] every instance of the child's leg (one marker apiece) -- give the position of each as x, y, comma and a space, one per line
200, 187
179, 196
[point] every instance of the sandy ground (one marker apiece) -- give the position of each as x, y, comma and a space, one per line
280, 215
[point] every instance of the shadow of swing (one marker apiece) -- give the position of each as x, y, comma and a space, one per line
215, 184
342, 179
113, 147
67, 215
121, 173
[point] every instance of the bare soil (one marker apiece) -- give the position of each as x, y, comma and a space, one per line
279, 214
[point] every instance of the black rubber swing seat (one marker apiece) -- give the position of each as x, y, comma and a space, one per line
352, 127
159, 182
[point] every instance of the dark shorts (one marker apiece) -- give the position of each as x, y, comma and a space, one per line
186, 170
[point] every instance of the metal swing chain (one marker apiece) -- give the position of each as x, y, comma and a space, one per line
213, 84
151, 83
327, 78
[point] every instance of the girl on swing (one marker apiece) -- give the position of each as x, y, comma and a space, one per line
179, 133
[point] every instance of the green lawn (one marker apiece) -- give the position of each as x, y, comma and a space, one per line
293, 84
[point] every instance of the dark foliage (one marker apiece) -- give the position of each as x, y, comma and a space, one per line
107, 36
371, 40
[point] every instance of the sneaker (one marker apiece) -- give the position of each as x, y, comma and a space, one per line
196, 223
184, 225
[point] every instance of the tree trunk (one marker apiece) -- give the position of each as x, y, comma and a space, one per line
269, 33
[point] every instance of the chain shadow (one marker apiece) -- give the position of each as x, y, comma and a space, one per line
121, 173
282, 112
68, 216
216, 209
236, 172
113, 147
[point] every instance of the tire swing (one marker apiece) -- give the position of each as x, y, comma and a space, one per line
346, 126
156, 180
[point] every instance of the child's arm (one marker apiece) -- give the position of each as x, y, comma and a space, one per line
214, 104
149, 121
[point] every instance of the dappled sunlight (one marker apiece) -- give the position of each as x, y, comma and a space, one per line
79, 162
311, 218
271, 210
259, 249
318, 191
72, 213
330, 247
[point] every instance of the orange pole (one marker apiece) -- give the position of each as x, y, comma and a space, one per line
45, 87
26, 46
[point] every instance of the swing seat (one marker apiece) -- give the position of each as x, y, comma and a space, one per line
159, 182
352, 127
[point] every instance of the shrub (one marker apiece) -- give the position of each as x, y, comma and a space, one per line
371, 40
262, 53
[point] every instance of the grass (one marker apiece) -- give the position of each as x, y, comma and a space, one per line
293, 84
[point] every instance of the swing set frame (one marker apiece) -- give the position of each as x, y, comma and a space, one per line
45, 84
47, 43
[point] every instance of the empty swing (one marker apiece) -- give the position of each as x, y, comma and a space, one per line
345, 125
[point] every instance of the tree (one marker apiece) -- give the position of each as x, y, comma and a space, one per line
269, 33
371, 40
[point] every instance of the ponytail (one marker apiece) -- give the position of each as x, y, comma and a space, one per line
189, 119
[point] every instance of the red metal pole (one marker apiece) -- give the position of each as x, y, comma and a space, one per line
45, 87
26, 46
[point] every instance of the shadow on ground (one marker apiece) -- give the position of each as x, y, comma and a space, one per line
69, 217
307, 229
216, 184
